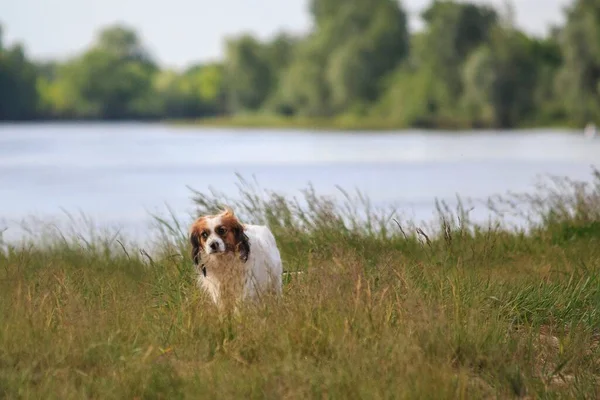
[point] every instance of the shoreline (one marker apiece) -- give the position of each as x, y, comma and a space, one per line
340, 124
350, 125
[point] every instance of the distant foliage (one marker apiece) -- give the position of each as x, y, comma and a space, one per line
18, 91
468, 67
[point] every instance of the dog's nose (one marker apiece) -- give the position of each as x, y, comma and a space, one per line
214, 246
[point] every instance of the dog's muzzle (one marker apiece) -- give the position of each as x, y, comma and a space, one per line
214, 247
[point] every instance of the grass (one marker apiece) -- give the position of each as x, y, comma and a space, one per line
385, 309
346, 123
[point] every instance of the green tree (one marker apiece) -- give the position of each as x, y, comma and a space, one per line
357, 66
280, 52
59, 97
123, 43
411, 98
210, 82
342, 64
479, 76
196, 93
501, 79
548, 99
304, 90
579, 80
248, 75
18, 84
349, 76
453, 31
112, 80
114, 88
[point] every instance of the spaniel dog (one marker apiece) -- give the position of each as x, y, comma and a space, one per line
234, 261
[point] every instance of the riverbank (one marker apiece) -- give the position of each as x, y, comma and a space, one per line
342, 123
349, 123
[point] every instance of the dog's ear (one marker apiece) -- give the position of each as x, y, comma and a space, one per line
243, 243
196, 247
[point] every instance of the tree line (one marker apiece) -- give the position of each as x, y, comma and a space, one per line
469, 66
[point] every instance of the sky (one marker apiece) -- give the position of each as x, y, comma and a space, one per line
181, 32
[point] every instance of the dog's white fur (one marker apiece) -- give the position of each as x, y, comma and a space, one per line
221, 269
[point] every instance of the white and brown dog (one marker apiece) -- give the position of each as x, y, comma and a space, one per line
234, 261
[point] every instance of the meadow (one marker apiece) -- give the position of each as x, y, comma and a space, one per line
384, 308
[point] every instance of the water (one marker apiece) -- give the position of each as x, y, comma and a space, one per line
117, 174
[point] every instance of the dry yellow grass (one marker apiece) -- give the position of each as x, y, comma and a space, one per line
377, 313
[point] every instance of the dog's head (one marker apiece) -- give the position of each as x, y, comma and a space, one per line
215, 235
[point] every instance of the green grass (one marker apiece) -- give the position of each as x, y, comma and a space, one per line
384, 309
281, 122
346, 123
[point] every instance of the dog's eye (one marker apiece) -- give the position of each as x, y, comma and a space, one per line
204, 235
221, 231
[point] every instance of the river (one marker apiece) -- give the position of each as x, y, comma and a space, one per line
117, 174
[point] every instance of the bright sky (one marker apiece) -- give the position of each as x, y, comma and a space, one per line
180, 32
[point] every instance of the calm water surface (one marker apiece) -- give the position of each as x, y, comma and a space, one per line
118, 174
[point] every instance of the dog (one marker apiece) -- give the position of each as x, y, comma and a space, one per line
234, 261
